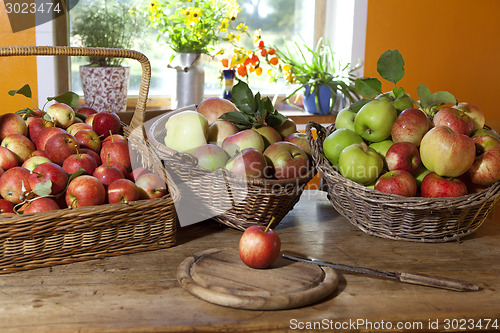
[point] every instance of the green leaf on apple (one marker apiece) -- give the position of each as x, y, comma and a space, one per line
43, 189
75, 174
24, 90
243, 98
368, 87
237, 117
398, 92
390, 66
70, 98
429, 102
25, 111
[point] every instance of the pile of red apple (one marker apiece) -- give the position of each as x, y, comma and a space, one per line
262, 151
62, 158
449, 154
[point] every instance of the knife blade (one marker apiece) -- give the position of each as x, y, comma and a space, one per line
406, 277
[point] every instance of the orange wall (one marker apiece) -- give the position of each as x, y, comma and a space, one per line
16, 71
451, 45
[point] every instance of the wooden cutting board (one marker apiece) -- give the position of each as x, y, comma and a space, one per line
220, 277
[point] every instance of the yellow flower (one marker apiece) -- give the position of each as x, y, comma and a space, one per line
257, 35
287, 67
241, 27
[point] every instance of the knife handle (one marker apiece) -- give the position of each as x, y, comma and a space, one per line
438, 282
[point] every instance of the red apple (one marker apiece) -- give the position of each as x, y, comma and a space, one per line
60, 146
137, 172
123, 191
213, 107
113, 138
45, 135
456, 120
7, 159
14, 184
435, 186
300, 139
106, 123
42, 153
107, 174
88, 139
73, 129
86, 110
44, 173
20, 145
40, 204
287, 160
473, 112
269, 134
249, 162
11, 123
36, 125
244, 139
287, 128
220, 130
93, 154
90, 119
398, 182
210, 156
151, 186
259, 246
6, 207
85, 190
403, 156
410, 126
79, 161
484, 143
120, 166
447, 153
485, 170
117, 151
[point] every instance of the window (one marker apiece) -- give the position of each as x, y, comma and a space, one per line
280, 21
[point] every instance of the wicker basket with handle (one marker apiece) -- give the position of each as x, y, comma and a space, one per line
69, 235
418, 219
235, 201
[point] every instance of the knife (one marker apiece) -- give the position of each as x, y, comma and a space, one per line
406, 277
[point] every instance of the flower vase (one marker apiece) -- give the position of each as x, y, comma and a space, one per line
228, 82
190, 80
325, 100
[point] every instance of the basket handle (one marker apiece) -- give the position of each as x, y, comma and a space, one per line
140, 108
322, 133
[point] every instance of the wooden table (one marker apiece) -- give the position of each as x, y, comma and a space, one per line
140, 293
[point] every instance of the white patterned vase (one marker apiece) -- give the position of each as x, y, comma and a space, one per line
105, 88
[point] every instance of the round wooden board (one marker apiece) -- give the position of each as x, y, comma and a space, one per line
220, 277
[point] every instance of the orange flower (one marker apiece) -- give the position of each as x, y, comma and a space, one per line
242, 71
271, 51
273, 61
258, 71
225, 62
261, 44
263, 52
255, 59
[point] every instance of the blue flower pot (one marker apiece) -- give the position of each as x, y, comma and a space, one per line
325, 98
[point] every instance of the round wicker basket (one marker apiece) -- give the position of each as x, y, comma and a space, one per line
400, 218
232, 200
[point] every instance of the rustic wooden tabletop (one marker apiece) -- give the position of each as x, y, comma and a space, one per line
140, 293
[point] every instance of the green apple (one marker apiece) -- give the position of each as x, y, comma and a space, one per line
186, 131
400, 104
484, 131
360, 163
420, 174
382, 147
337, 141
374, 120
345, 119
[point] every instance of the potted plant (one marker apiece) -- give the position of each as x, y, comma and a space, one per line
107, 24
328, 84
191, 29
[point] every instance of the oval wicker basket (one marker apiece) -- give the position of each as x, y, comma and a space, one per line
400, 218
69, 235
235, 201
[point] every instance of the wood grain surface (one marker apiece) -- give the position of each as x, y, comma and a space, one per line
140, 292
220, 277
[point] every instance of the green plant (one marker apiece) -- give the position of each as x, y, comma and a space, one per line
111, 24
316, 67
195, 26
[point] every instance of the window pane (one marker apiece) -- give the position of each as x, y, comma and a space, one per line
280, 21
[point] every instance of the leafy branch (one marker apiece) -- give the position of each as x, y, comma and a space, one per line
254, 111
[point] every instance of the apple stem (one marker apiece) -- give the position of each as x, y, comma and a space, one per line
269, 225
111, 134
107, 158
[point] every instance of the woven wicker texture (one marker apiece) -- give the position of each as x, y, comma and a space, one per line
237, 202
68, 235
400, 218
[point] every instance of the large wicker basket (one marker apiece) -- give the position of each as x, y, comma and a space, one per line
395, 217
69, 235
237, 202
